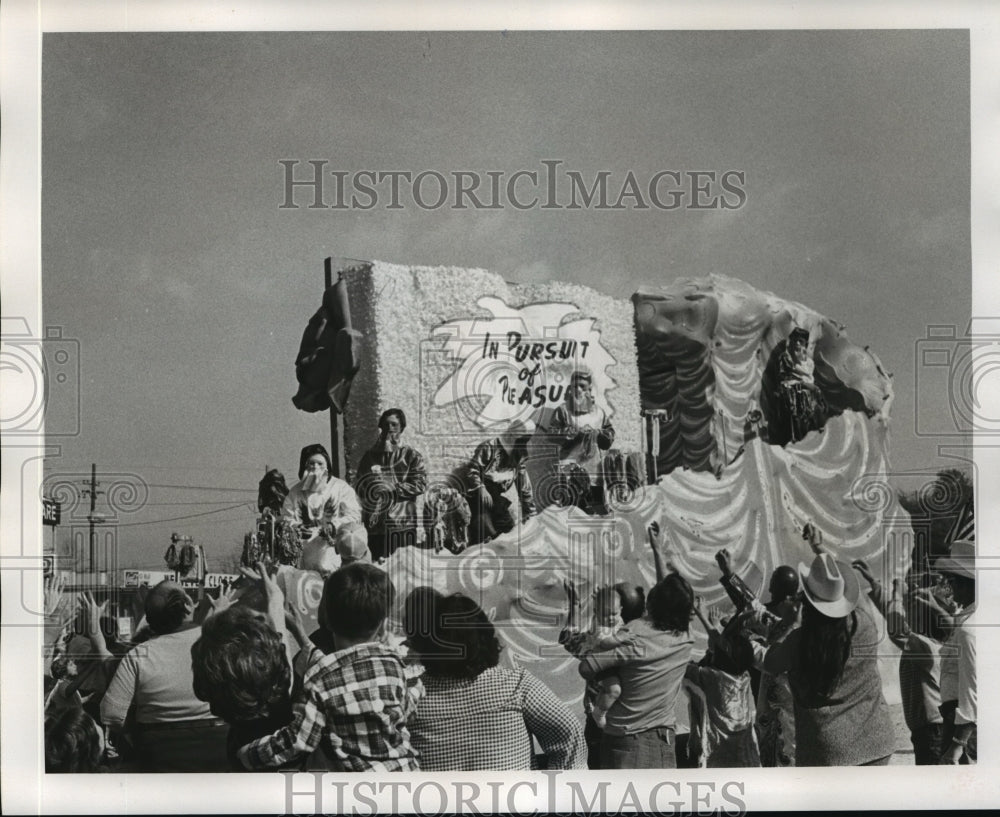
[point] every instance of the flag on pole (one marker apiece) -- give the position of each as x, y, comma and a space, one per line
329, 354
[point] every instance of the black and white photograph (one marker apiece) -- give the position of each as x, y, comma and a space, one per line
589, 412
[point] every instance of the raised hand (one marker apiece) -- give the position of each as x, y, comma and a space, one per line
53, 588
699, 611
724, 561
862, 567
275, 598
227, 598
715, 619
92, 612
570, 587
814, 537
296, 626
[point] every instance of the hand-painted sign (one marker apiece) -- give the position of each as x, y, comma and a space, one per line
522, 359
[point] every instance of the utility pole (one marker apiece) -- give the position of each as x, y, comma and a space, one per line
91, 518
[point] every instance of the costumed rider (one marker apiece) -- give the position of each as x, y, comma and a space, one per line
804, 404
584, 433
390, 478
496, 468
326, 511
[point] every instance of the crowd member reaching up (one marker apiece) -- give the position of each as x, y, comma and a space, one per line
174, 731
775, 706
723, 676
916, 630
613, 607
841, 716
958, 676
640, 730
356, 700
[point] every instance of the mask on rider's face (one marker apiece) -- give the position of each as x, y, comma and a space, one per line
313, 480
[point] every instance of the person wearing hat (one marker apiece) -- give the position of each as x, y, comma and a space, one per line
391, 476
498, 466
841, 716
319, 502
584, 433
915, 629
958, 660
775, 718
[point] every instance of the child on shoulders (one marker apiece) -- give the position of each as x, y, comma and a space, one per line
355, 700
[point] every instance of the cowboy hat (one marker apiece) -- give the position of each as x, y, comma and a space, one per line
830, 586
961, 561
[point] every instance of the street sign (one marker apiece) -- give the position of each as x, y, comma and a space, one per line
51, 512
220, 579
134, 578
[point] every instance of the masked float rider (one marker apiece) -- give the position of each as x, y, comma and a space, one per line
584, 433
323, 507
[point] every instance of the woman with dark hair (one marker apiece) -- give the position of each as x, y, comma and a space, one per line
241, 671
74, 743
650, 660
476, 715
841, 716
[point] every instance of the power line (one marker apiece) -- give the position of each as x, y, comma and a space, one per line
200, 502
179, 518
204, 488
144, 466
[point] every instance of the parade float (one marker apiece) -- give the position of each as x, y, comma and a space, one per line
688, 373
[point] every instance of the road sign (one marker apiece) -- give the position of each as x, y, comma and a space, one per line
220, 579
134, 578
51, 512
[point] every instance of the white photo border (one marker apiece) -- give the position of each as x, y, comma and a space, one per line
26, 791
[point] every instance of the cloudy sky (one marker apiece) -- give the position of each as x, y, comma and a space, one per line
166, 253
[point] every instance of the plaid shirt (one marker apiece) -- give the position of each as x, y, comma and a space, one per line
355, 703
487, 723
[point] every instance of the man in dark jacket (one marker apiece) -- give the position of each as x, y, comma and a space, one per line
496, 465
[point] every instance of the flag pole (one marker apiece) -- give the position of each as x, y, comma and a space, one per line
337, 453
